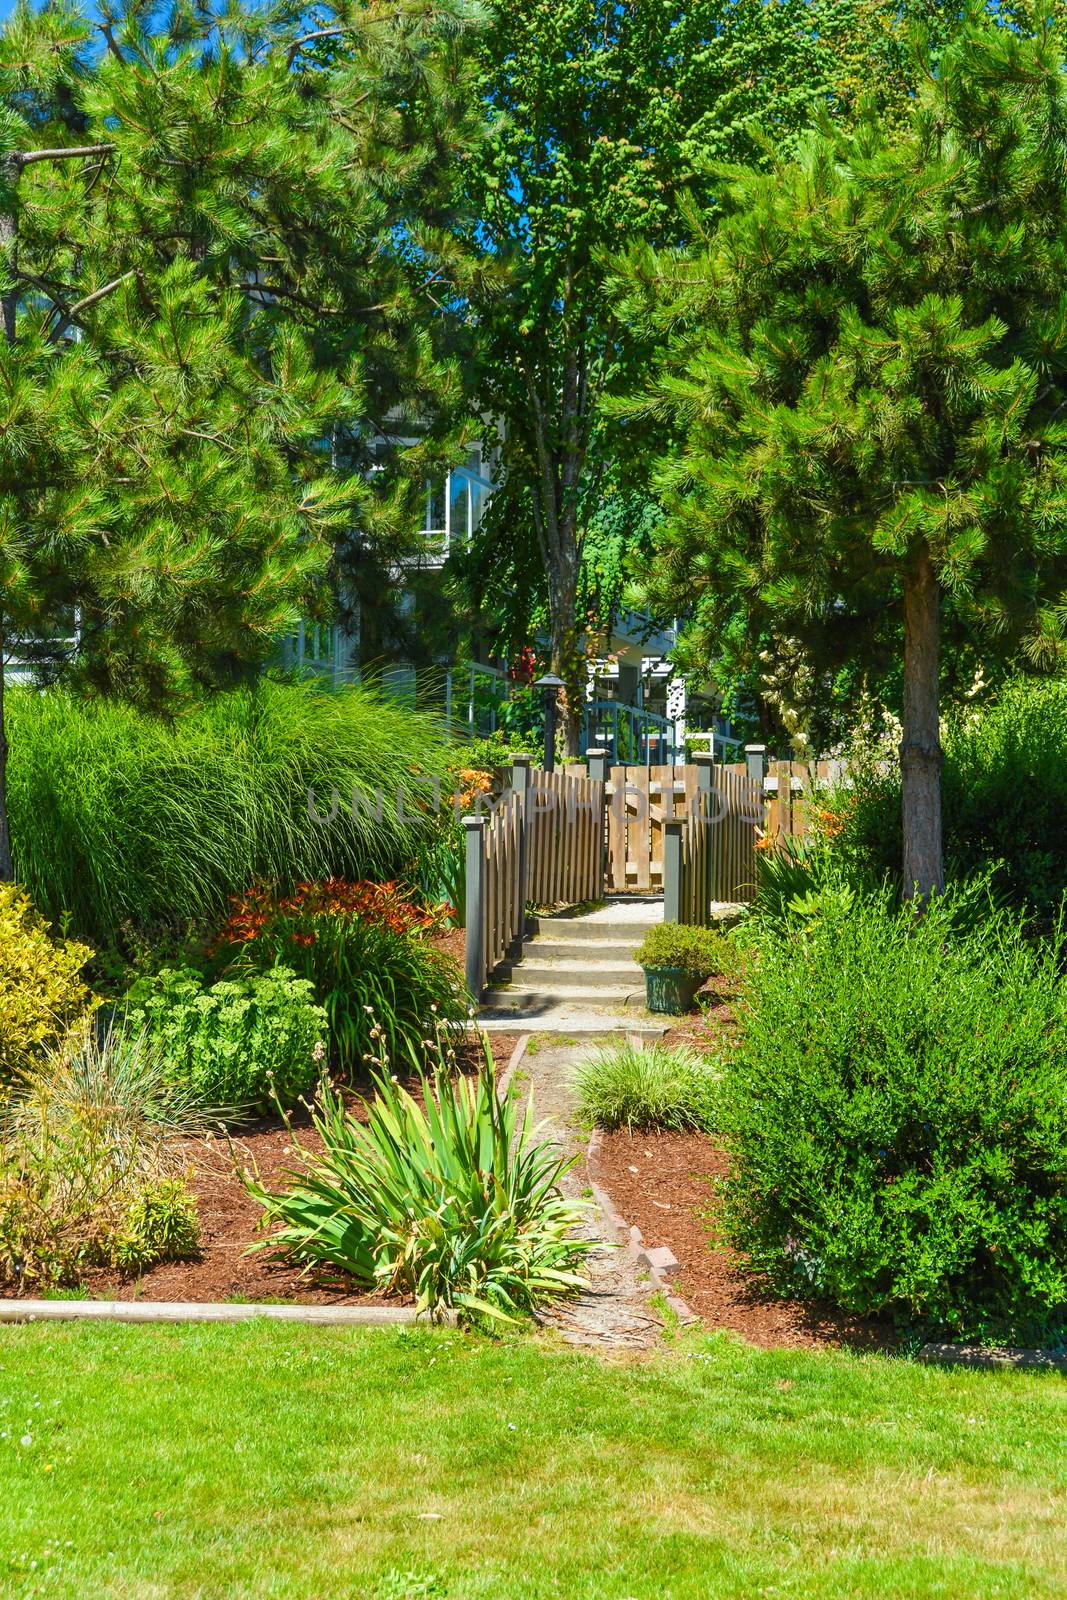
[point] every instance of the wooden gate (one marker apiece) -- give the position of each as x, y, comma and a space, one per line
564, 828
642, 800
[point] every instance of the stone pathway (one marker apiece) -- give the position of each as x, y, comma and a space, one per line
615, 1310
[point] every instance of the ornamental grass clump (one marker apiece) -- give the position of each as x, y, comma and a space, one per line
127, 821
896, 1110
649, 1087
362, 946
449, 1197
91, 1173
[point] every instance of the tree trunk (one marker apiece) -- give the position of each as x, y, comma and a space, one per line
920, 749
7, 870
566, 662
8, 308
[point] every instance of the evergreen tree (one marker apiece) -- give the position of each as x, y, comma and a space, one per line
211, 324
602, 118
867, 387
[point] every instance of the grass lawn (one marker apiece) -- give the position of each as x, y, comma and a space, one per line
269, 1460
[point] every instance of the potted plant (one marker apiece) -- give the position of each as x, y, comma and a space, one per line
677, 959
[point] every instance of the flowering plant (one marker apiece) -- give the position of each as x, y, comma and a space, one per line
254, 914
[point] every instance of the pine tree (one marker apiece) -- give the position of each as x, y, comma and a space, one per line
602, 118
209, 312
867, 387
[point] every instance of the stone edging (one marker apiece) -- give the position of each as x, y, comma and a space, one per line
976, 1355
660, 1263
211, 1311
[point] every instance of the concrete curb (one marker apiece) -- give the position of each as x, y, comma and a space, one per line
976, 1355
504, 1081
211, 1311
660, 1263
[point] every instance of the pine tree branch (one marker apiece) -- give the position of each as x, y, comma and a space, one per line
26, 158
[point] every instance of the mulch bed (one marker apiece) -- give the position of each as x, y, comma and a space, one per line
665, 1184
228, 1218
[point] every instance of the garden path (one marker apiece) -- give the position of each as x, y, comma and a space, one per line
616, 1309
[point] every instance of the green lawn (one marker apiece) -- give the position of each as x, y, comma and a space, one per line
269, 1460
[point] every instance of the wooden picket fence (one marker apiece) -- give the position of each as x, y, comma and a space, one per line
502, 901
738, 815
790, 787
564, 827
690, 833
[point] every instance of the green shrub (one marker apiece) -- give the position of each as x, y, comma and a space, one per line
42, 995
647, 1087
1004, 798
128, 822
242, 1044
674, 944
896, 1106
454, 1201
88, 1162
161, 1224
383, 986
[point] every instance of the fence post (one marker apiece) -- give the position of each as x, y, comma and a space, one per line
704, 761
756, 761
672, 871
520, 782
597, 759
475, 832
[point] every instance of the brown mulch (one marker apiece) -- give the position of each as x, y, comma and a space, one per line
665, 1184
228, 1217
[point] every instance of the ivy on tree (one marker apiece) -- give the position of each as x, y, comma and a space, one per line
866, 382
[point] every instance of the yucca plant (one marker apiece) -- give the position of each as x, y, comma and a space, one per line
455, 1200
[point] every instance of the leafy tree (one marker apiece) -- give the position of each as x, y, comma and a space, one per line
867, 383
602, 118
211, 324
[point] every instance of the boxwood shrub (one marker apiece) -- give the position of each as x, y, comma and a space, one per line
896, 1107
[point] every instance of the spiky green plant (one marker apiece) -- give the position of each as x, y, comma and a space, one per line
455, 1200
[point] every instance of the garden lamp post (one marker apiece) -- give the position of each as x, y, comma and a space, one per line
551, 685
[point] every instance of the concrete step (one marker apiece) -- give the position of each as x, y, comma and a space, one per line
571, 1020
575, 932
534, 973
517, 997
561, 947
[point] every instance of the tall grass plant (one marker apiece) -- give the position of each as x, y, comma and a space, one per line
122, 820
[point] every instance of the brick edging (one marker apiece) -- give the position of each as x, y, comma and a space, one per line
660, 1263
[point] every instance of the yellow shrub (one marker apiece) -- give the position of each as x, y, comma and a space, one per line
42, 996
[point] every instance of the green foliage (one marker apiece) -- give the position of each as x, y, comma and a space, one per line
161, 1224
604, 122
212, 299
896, 1110
125, 821
383, 991
795, 880
453, 1200
675, 944
241, 1045
864, 382
647, 1087
1004, 789
43, 997
89, 1170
